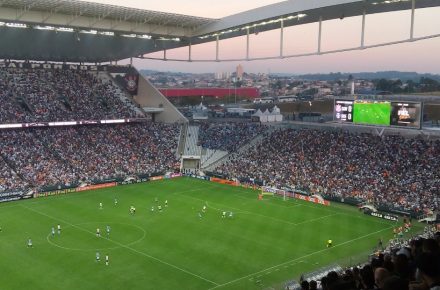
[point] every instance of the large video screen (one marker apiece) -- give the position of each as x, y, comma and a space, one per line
406, 114
380, 113
372, 113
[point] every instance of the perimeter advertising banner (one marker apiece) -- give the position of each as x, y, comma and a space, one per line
14, 195
291, 194
385, 216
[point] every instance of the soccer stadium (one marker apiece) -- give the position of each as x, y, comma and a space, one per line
108, 182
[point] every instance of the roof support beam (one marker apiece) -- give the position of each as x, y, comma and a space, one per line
216, 47
189, 52
247, 43
100, 18
363, 30
52, 12
319, 34
281, 38
25, 9
413, 8
146, 19
76, 16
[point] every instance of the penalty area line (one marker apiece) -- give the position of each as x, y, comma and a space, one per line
296, 259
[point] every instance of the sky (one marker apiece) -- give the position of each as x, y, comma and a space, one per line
422, 56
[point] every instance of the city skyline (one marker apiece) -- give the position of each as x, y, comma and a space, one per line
421, 56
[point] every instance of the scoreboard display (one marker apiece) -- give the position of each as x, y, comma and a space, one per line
380, 113
343, 111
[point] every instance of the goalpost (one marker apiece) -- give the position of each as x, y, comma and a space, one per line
265, 191
270, 191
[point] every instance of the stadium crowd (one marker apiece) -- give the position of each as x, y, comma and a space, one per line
412, 265
392, 171
69, 155
228, 136
31, 95
9, 179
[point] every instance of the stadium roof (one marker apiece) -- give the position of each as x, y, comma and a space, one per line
101, 32
49, 9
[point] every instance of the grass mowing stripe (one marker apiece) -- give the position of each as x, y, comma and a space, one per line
123, 246
296, 259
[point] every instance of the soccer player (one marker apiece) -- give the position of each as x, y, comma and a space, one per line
98, 232
106, 260
152, 208
329, 243
223, 214
98, 257
100, 205
108, 229
53, 231
166, 203
159, 207
59, 229
29, 243
116, 201
204, 208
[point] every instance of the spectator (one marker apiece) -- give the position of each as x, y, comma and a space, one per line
228, 136
305, 285
428, 265
70, 155
380, 274
344, 165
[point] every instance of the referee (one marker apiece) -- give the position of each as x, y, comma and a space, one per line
329, 243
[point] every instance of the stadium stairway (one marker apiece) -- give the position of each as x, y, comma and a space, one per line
210, 156
191, 142
181, 144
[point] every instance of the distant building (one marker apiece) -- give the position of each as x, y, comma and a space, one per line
239, 71
222, 75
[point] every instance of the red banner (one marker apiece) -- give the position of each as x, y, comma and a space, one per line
311, 199
223, 181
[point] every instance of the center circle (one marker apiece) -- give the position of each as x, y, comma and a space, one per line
82, 236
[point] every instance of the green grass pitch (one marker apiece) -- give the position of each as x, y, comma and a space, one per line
264, 244
372, 113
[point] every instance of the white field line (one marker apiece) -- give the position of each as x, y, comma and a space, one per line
315, 219
338, 211
296, 259
242, 190
124, 246
239, 210
294, 224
